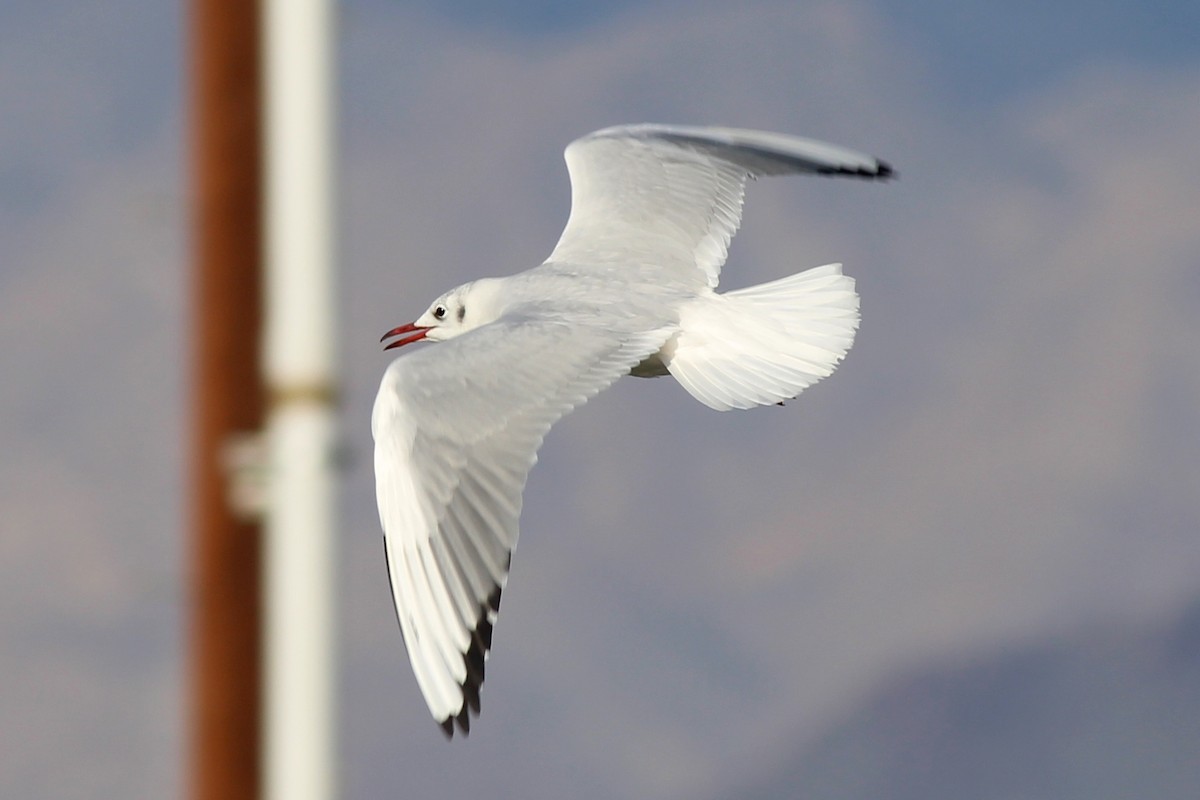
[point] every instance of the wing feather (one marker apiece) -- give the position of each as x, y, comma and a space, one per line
457, 428
669, 197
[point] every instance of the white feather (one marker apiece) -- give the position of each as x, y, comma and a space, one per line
764, 344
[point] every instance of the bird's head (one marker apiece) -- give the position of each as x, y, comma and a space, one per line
454, 313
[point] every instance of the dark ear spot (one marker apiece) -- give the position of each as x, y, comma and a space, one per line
462, 312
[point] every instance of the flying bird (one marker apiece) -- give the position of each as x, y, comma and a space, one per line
630, 288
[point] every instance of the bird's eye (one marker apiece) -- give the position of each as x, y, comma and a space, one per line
439, 312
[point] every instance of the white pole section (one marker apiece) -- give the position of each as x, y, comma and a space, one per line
299, 747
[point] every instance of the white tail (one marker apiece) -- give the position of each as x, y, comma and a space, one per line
767, 343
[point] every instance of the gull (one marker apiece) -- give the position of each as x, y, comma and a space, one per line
628, 289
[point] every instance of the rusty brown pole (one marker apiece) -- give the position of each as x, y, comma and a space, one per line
226, 397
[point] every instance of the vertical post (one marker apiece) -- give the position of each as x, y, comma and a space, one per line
300, 749
226, 398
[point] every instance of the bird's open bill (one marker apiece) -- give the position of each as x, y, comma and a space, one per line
416, 330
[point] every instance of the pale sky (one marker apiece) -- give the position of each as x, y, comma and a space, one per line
1007, 454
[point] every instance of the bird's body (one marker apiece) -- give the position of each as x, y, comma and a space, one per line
628, 289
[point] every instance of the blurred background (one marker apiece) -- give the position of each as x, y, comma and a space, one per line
968, 565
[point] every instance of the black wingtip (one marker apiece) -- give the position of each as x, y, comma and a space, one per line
475, 660
882, 171
462, 720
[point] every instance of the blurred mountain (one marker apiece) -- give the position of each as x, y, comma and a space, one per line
1095, 715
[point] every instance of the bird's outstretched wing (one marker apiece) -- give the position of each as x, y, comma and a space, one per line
457, 428
671, 195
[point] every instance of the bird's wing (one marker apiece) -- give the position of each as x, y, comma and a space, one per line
457, 428
671, 196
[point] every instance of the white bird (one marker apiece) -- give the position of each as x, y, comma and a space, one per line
629, 288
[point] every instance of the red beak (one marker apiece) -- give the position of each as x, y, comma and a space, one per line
417, 332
